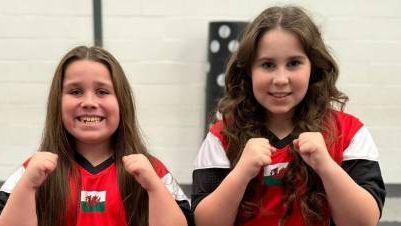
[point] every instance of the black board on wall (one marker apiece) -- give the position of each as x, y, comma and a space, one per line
224, 39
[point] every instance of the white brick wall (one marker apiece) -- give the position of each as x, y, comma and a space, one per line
162, 47
33, 37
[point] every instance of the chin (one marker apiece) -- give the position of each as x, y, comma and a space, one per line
91, 139
280, 111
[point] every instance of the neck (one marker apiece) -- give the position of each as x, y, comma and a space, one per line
95, 153
281, 126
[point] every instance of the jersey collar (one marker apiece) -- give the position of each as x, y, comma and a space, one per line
280, 143
84, 163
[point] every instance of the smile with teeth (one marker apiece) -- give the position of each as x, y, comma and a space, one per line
90, 120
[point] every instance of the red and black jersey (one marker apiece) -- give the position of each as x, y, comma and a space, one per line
98, 200
352, 148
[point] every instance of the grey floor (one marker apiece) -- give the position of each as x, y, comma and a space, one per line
389, 224
391, 212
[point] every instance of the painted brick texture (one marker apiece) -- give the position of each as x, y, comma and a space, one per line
162, 45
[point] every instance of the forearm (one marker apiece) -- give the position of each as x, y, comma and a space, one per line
163, 209
221, 206
349, 203
20, 208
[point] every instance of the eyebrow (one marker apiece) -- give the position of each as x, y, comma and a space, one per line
301, 57
97, 83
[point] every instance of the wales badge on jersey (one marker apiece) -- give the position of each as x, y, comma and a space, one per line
273, 174
93, 201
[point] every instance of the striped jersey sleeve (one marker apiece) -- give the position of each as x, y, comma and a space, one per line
360, 156
211, 166
173, 187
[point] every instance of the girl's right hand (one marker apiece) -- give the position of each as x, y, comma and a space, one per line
39, 167
256, 154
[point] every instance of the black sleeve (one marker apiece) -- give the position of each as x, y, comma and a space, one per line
186, 209
3, 199
205, 181
367, 174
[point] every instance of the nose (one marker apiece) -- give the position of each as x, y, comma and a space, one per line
89, 101
281, 77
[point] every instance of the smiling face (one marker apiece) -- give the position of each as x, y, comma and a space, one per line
280, 73
89, 106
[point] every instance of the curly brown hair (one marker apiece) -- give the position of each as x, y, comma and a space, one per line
245, 118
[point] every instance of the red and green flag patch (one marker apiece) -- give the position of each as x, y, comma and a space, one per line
93, 201
273, 173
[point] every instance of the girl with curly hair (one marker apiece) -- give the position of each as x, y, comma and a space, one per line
284, 152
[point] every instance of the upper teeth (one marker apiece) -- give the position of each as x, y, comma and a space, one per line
91, 119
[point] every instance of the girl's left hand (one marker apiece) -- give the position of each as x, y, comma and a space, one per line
140, 167
312, 148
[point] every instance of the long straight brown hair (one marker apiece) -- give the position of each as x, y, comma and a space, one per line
52, 197
245, 118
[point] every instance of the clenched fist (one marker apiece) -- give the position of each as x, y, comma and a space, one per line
256, 154
140, 167
312, 148
39, 167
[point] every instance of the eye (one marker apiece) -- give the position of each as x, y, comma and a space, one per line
102, 92
75, 92
268, 65
293, 63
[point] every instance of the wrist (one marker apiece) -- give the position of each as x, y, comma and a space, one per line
154, 183
327, 168
155, 186
241, 174
27, 184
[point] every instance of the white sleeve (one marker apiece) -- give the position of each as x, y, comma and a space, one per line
10, 183
362, 146
211, 154
173, 187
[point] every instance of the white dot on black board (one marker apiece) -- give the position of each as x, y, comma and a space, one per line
214, 46
224, 31
221, 80
233, 45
